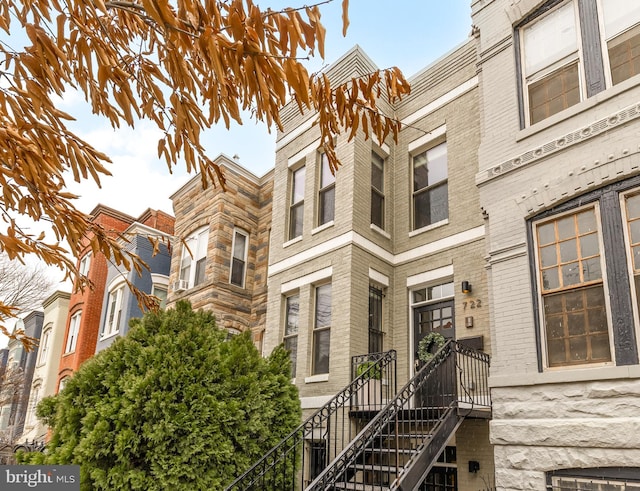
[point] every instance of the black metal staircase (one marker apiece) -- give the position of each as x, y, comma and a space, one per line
399, 445
296, 461
389, 444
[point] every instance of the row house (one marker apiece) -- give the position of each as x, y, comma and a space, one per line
384, 253
221, 247
16, 381
559, 180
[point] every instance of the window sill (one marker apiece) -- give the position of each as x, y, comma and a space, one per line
581, 107
419, 231
113, 334
566, 375
292, 241
322, 227
380, 231
322, 377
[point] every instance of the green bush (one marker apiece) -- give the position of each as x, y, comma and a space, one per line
174, 405
375, 373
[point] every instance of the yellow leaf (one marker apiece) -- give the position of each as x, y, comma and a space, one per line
345, 16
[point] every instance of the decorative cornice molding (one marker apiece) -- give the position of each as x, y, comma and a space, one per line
578, 136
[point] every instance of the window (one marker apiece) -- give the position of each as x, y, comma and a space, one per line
85, 262
161, 293
632, 212
34, 398
44, 346
375, 320
377, 190
63, 383
292, 311
114, 311
322, 330
430, 188
564, 62
327, 194
296, 208
72, 338
194, 258
239, 258
573, 296
618, 478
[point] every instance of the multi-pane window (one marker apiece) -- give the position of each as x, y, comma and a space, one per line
72, 338
322, 329
296, 207
632, 210
85, 262
377, 190
239, 258
327, 193
194, 258
564, 62
375, 320
430, 187
291, 324
114, 312
572, 289
34, 398
43, 351
622, 38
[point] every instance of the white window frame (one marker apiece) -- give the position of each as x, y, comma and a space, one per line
74, 330
194, 250
85, 264
45, 339
379, 162
326, 185
113, 314
435, 143
242, 259
287, 336
321, 329
294, 203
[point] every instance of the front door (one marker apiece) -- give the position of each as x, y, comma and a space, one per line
434, 317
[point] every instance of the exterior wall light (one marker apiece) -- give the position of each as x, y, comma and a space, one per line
466, 287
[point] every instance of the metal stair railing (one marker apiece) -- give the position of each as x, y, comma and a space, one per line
415, 424
289, 466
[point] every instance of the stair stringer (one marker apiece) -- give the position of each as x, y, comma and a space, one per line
419, 466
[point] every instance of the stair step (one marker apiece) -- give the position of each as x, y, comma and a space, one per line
389, 469
359, 486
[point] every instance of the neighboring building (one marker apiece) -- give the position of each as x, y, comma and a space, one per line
16, 383
48, 354
373, 258
150, 239
85, 305
221, 247
559, 179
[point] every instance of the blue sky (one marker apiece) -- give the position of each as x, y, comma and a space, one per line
411, 35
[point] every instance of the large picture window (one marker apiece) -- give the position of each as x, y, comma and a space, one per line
430, 187
296, 207
194, 258
291, 325
564, 61
322, 330
327, 192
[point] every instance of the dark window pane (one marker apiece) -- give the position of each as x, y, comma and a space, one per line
377, 209
321, 351
377, 172
554, 93
200, 266
293, 309
589, 245
323, 306
327, 205
624, 55
291, 344
568, 251
548, 256
237, 272
431, 206
296, 221
546, 233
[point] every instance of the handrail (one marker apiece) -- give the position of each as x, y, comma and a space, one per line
418, 409
284, 465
